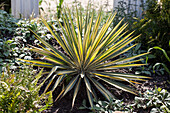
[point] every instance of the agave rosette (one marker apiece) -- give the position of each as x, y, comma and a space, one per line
89, 49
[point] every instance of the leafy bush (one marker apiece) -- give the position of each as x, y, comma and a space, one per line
5, 52
128, 11
158, 68
7, 25
19, 92
7, 30
23, 37
15, 37
10, 47
154, 28
23, 34
87, 57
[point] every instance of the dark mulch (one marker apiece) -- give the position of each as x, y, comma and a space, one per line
156, 81
64, 105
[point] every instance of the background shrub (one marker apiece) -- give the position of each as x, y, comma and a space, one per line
154, 28
7, 25
15, 37
19, 92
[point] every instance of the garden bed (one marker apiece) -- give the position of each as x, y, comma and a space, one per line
64, 105
72, 63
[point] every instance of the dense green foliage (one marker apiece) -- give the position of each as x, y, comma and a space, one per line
165, 55
7, 30
15, 36
153, 25
129, 10
7, 24
19, 92
154, 28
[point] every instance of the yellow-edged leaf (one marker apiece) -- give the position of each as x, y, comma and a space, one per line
76, 91
70, 85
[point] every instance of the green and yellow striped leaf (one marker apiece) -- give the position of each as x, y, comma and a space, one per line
91, 52
76, 91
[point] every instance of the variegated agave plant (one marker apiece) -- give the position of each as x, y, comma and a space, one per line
89, 47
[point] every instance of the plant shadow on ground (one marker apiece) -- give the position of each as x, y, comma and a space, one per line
65, 104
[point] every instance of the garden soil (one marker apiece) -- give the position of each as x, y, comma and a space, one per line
64, 105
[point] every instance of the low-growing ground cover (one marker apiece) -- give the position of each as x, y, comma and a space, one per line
16, 36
